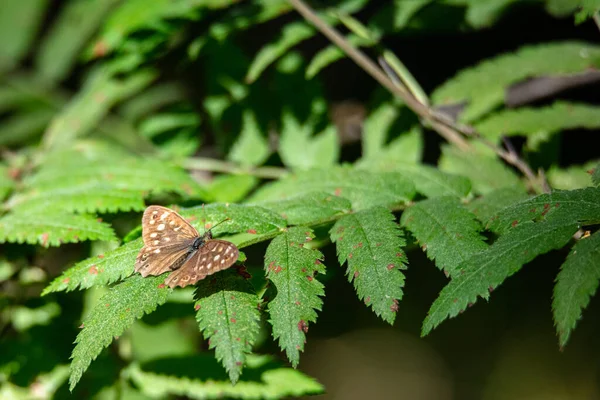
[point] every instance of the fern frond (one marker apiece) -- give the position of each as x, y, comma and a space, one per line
371, 243
292, 269
446, 230
52, 228
228, 315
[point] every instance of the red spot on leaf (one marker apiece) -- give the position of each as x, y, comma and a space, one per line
128, 309
303, 326
317, 262
100, 49
532, 210
368, 300
491, 289
394, 306
81, 326
162, 285
455, 301
93, 270
197, 307
390, 267
337, 191
238, 339
107, 305
556, 205
398, 254
304, 270
356, 273
377, 244
45, 239
591, 171
66, 280
470, 305
233, 320
251, 231
232, 297
514, 223
310, 278
360, 244
220, 312
238, 363
100, 255
350, 255
297, 303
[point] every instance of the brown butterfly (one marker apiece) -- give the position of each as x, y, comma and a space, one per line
172, 244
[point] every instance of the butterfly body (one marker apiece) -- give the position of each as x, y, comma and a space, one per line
172, 244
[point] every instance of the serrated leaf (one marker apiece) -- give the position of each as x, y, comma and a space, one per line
61, 45
292, 269
250, 148
572, 177
195, 377
309, 207
6, 182
363, 188
299, 149
230, 188
371, 243
291, 35
242, 218
52, 229
485, 271
115, 312
102, 269
331, 54
228, 315
496, 74
83, 198
486, 206
527, 121
446, 230
405, 149
485, 170
581, 206
576, 282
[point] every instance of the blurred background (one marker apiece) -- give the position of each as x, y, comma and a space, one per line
182, 77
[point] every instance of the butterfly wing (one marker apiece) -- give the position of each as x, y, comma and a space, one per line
167, 241
213, 256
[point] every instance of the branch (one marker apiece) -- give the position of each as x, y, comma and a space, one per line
444, 125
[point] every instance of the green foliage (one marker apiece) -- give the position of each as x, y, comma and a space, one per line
52, 229
446, 230
227, 313
486, 206
292, 267
363, 188
596, 175
483, 86
251, 148
6, 183
266, 380
371, 243
102, 269
575, 284
529, 121
573, 177
309, 207
113, 313
485, 271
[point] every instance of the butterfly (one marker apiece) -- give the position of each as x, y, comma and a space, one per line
172, 244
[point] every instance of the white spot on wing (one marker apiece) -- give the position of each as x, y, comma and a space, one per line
157, 251
164, 215
217, 257
152, 222
156, 242
227, 251
160, 227
209, 266
153, 234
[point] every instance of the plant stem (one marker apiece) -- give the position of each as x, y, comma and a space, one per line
214, 165
451, 131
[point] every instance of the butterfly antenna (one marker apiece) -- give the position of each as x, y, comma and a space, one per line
219, 223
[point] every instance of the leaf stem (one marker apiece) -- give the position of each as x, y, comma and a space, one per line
450, 130
214, 165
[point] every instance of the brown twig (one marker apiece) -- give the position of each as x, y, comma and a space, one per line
444, 125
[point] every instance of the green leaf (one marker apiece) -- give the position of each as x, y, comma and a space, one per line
102, 269
573, 177
75, 25
331, 54
25, 125
405, 10
577, 206
292, 269
194, 377
299, 149
242, 218
292, 34
251, 148
486, 206
309, 207
84, 198
363, 188
230, 188
228, 315
527, 121
376, 128
115, 312
163, 122
446, 230
19, 23
485, 170
52, 229
371, 243
6, 182
485, 271
92, 103
596, 175
405, 149
576, 282
492, 76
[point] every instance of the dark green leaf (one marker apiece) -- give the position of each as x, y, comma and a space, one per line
292, 269
575, 284
228, 315
596, 175
446, 230
491, 203
485, 271
371, 243
251, 147
230, 188
309, 207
